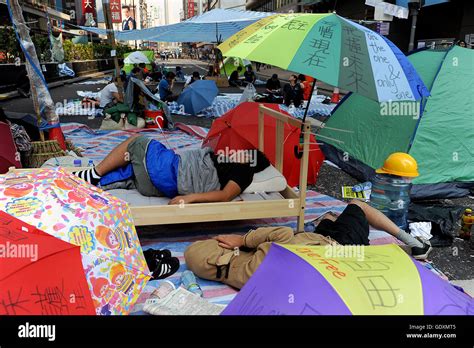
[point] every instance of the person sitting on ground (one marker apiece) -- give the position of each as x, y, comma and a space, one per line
273, 88
234, 79
136, 73
193, 176
165, 88
293, 92
179, 73
249, 75
108, 96
232, 259
194, 77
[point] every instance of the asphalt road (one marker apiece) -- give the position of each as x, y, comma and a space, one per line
457, 261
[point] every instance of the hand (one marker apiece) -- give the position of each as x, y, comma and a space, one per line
181, 200
230, 241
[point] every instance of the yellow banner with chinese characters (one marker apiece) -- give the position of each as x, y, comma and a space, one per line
371, 280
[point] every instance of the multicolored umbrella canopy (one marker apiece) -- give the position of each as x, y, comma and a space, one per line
332, 49
72, 210
325, 280
40, 274
238, 129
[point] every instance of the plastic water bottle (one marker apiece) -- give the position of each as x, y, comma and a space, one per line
189, 282
91, 163
391, 195
362, 187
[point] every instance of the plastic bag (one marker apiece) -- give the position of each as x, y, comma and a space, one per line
445, 221
64, 70
248, 94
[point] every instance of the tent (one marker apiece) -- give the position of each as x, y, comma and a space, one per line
150, 55
232, 63
438, 133
212, 26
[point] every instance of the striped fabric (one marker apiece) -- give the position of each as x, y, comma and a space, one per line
98, 143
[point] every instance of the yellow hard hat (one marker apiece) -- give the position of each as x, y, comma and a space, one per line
400, 164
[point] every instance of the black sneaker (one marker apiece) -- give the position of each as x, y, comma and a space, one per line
166, 268
421, 253
153, 257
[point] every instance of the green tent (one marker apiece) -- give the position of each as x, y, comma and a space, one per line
438, 133
232, 63
149, 54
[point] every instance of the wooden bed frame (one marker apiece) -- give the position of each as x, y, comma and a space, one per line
293, 203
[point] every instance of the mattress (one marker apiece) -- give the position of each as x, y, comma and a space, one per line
135, 199
266, 185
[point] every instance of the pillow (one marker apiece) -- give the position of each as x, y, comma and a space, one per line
268, 180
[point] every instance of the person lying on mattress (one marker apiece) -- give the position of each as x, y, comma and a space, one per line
192, 176
232, 259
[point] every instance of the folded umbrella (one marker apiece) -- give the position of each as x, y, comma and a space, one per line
198, 96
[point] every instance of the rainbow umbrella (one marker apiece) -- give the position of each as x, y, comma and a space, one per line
333, 280
332, 49
70, 209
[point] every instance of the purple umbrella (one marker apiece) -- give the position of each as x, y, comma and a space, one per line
285, 283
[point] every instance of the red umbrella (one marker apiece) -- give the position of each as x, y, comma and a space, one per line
8, 153
40, 274
238, 130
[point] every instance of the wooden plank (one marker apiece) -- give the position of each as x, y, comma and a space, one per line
280, 116
279, 139
261, 131
304, 176
289, 193
200, 212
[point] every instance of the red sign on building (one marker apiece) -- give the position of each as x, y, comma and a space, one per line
89, 12
116, 11
190, 8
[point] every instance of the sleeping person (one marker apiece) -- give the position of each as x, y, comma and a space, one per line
193, 176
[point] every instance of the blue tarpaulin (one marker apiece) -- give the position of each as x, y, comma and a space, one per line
215, 25
404, 3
